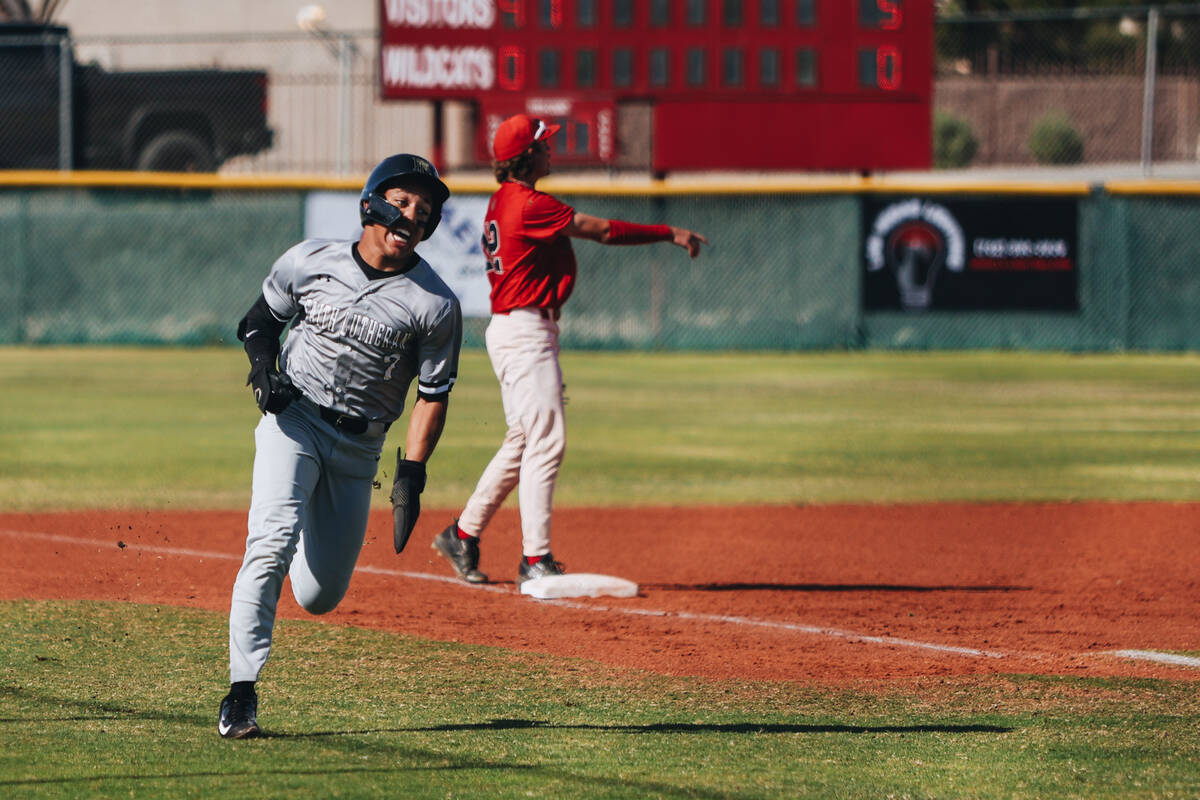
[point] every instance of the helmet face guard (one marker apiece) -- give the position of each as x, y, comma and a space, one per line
381, 212
373, 208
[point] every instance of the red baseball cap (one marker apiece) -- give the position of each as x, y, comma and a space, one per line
517, 134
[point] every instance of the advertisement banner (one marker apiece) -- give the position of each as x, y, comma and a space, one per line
970, 254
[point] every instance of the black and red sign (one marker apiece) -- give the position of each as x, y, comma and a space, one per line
939, 254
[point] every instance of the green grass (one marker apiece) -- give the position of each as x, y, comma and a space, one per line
118, 700
100, 427
158, 428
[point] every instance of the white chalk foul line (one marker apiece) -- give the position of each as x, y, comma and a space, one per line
785, 626
184, 551
101, 542
1160, 658
814, 630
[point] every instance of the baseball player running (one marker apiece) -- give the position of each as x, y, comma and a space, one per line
368, 317
531, 267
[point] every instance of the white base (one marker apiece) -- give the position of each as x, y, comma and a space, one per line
578, 584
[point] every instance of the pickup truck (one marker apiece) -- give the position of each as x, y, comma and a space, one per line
56, 113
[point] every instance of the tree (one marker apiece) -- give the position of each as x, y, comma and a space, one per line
1033, 35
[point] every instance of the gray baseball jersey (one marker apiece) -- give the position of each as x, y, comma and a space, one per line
356, 343
358, 338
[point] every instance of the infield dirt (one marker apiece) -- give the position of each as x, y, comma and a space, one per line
824, 594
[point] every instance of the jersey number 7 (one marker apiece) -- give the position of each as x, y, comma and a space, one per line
491, 246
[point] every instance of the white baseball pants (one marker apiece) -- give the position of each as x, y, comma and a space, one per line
523, 347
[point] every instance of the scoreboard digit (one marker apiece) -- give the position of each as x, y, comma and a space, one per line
886, 15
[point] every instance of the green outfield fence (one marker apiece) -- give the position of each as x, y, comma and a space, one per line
113, 258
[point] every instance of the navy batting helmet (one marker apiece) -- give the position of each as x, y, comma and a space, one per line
373, 208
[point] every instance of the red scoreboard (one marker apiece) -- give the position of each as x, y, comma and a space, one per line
730, 84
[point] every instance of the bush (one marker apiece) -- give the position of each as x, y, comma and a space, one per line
1055, 141
954, 142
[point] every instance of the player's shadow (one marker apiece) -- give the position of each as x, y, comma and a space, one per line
826, 587
663, 727
100, 710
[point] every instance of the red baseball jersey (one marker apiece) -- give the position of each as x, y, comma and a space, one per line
530, 262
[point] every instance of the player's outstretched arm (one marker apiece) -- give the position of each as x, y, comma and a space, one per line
615, 231
585, 226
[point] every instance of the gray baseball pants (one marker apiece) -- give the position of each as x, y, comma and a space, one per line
308, 516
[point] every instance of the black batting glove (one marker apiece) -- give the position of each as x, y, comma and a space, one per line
406, 498
273, 391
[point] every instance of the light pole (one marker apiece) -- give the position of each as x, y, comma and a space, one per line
311, 19
1148, 90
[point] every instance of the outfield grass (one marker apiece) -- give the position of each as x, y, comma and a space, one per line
172, 428
115, 700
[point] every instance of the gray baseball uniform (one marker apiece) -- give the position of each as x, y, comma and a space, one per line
358, 338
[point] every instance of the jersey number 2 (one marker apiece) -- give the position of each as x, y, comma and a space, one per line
491, 246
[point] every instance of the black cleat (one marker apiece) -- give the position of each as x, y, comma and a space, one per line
463, 554
545, 566
238, 718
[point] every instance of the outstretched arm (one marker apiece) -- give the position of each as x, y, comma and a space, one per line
615, 231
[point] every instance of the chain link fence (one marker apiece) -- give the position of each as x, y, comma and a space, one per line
788, 271
160, 267
1069, 87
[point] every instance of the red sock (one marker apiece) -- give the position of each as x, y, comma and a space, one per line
533, 559
462, 535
